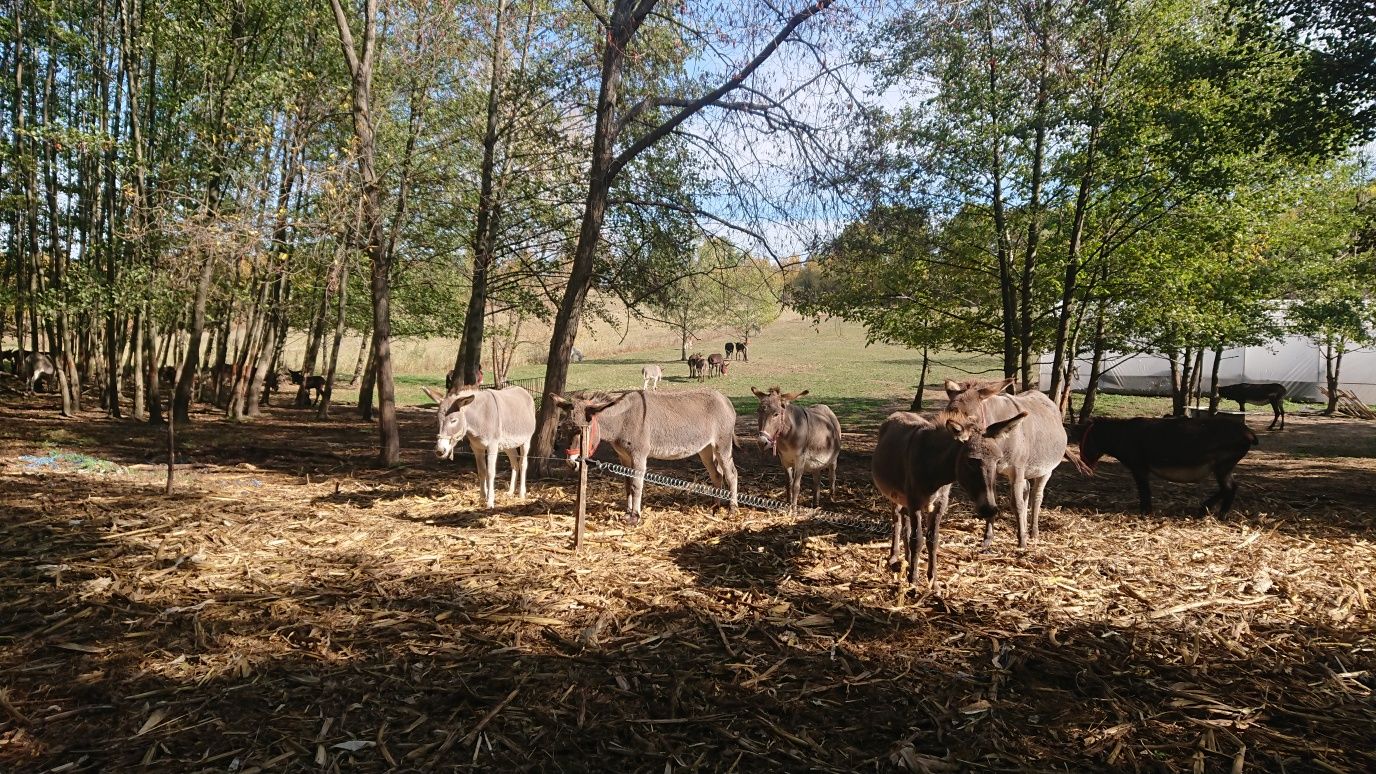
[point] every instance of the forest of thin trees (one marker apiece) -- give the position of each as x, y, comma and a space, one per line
187, 186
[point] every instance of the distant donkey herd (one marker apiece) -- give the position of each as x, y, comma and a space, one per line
983, 433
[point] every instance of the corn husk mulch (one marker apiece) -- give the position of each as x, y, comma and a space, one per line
294, 608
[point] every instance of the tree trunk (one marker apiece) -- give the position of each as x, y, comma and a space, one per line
469, 359
1332, 367
363, 349
139, 409
361, 71
313, 340
1213, 379
367, 392
324, 411
1096, 365
921, 383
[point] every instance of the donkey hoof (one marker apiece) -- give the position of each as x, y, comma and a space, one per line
632, 519
894, 565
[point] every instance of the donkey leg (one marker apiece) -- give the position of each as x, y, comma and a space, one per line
513, 458
1018, 493
525, 459
491, 477
1035, 504
708, 455
637, 483
933, 538
795, 486
899, 536
728, 472
1229, 492
1143, 490
817, 488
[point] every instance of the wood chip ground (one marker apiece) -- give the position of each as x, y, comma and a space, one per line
293, 608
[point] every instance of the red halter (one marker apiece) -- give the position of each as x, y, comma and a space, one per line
594, 439
1083, 436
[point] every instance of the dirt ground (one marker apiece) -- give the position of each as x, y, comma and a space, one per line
294, 608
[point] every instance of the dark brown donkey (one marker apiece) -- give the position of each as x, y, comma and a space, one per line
1245, 393
1180, 450
914, 466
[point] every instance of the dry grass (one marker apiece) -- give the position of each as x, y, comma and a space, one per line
293, 609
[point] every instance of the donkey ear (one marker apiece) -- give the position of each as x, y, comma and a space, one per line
562, 402
958, 429
460, 402
994, 388
433, 394
599, 407
953, 388
758, 394
796, 395
1000, 429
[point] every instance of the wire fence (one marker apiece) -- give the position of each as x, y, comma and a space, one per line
860, 523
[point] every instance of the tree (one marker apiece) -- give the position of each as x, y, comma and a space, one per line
620, 137
887, 272
1329, 243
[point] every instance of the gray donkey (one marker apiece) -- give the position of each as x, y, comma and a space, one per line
1017, 436
806, 439
641, 425
492, 421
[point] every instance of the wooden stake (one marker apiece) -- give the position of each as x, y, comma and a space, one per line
582, 489
171, 445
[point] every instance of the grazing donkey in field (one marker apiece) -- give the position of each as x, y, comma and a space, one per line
716, 365
642, 425
914, 466
805, 439
1180, 450
492, 421
651, 374
1245, 393
1017, 436
697, 366
741, 354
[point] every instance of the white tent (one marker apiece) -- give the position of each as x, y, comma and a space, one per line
1294, 361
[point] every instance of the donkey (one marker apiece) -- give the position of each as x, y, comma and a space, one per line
741, 354
730, 350
805, 439
492, 421
716, 365
642, 425
914, 467
651, 374
697, 365
1180, 450
1245, 393
1017, 436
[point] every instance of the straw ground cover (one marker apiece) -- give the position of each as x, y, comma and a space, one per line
292, 608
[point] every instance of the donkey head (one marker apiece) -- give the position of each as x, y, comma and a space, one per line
965, 397
453, 425
773, 414
580, 417
981, 453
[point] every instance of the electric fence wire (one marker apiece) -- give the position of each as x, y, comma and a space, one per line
859, 523
755, 501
